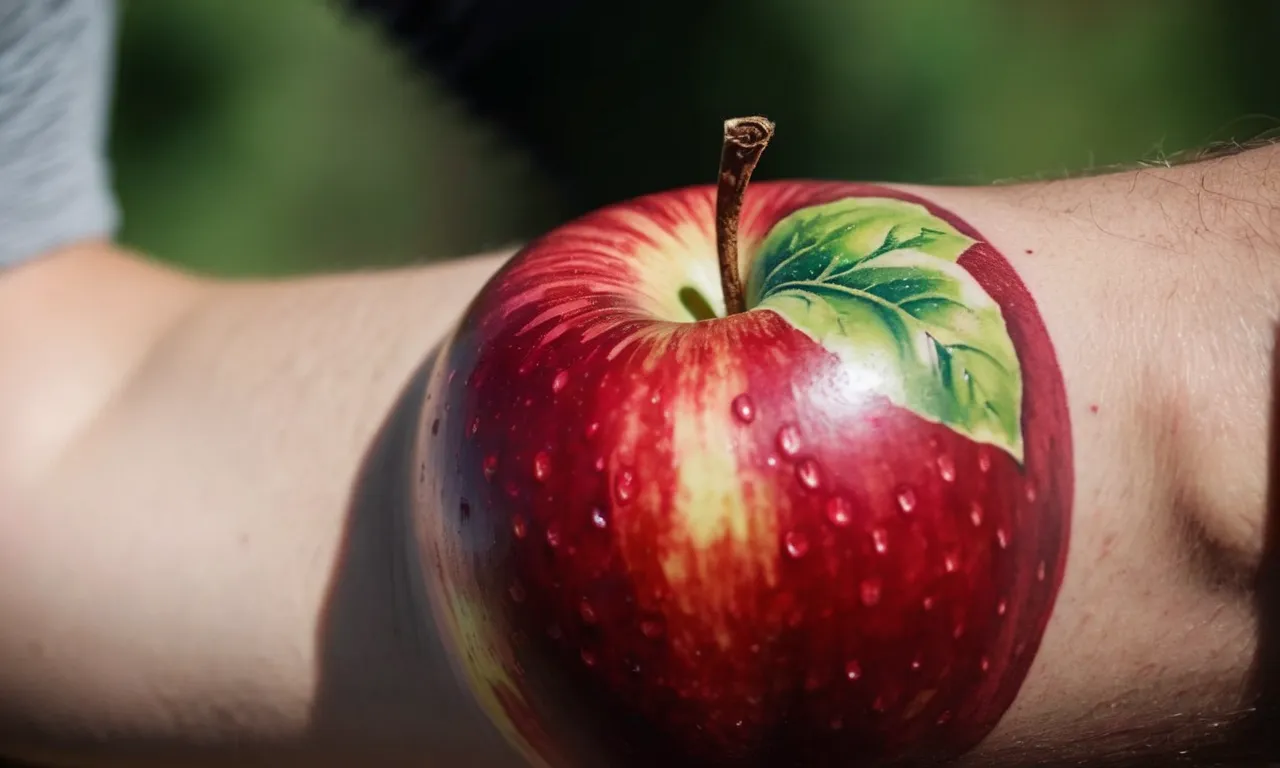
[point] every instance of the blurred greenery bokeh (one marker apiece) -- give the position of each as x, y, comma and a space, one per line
280, 136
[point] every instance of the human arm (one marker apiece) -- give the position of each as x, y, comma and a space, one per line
173, 567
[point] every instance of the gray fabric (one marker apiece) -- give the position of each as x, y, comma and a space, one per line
55, 75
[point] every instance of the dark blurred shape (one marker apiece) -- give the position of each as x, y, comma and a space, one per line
167, 103
453, 36
618, 99
609, 98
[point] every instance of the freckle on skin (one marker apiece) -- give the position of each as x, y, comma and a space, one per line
1029, 251
1093, 408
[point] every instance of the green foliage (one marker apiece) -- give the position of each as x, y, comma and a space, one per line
268, 137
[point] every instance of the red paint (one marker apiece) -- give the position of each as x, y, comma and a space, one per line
908, 558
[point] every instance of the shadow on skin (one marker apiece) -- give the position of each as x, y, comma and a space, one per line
1251, 739
385, 685
1264, 728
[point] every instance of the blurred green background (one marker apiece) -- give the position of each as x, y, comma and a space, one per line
280, 136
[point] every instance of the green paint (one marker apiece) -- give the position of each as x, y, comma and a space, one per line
875, 280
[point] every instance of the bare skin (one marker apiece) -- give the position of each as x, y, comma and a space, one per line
201, 550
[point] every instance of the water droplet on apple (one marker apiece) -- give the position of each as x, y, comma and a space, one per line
517, 591
950, 562
435, 427
592, 429
880, 540
1002, 606
797, 544
624, 485
814, 680
958, 631
558, 383
588, 657
772, 461
853, 670
869, 591
653, 627
518, 526
587, 611
839, 510
1002, 538
984, 459
599, 465
541, 466
984, 664
789, 440
554, 632
946, 468
809, 473
553, 534
464, 509
878, 706
1040, 571
927, 603
975, 514
945, 717
1031, 493
511, 488
755, 648
744, 408
490, 467
916, 663
598, 518
475, 425
906, 497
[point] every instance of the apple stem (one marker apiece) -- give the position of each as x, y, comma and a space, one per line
744, 140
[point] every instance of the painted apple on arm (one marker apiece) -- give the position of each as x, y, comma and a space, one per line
817, 519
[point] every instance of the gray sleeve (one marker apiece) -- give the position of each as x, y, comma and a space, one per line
55, 80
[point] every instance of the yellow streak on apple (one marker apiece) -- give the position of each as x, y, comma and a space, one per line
710, 506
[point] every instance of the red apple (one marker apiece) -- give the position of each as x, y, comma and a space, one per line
827, 530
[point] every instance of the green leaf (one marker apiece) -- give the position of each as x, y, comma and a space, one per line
875, 281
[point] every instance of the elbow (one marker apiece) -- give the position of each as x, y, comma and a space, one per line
75, 327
